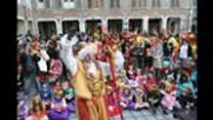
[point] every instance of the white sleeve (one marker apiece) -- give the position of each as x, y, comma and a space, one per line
74, 40
64, 104
66, 55
71, 64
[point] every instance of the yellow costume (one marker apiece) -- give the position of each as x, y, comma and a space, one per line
90, 90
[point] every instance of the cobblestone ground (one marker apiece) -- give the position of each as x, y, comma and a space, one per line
147, 115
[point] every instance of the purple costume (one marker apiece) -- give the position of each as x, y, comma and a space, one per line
22, 111
70, 100
126, 101
55, 114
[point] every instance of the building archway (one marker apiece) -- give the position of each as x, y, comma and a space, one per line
155, 25
68, 24
47, 27
115, 25
93, 24
135, 25
30, 26
173, 25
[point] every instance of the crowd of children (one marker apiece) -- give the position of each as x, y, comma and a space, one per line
159, 71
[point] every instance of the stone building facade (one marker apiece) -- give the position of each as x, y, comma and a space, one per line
56, 16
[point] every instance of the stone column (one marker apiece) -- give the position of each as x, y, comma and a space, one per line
125, 24
164, 22
59, 26
145, 23
104, 25
82, 25
183, 24
26, 26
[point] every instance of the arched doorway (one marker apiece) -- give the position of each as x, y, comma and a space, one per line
47, 27
155, 26
135, 25
115, 25
93, 24
68, 24
173, 25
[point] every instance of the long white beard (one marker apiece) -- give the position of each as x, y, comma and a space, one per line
91, 68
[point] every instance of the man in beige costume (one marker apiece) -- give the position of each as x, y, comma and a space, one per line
87, 80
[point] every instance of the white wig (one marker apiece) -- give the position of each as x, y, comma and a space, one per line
84, 52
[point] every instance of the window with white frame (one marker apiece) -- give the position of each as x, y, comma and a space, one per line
174, 3
114, 3
142, 3
156, 3
133, 3
69, 4
89, 3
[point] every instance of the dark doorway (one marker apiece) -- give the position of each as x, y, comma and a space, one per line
93, 24
135, 25
30, 26
154, 26
173, 25
115, 26
68, 24
48, 28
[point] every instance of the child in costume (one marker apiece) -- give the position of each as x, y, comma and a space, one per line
56, 68
126, 97
113, 109
68, 93
38, 110
35, 46
57, 86
121, 76
59, 107
22, 110
139, 99
130, 73
186, 92
46, 96
168, 101
153, 94
127, 55
139, 78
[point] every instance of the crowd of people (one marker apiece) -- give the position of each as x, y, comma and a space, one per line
151, 72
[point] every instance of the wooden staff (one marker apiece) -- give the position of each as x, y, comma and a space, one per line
114, 83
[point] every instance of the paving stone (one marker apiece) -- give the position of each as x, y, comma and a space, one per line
169, 116
146, 113
151, 118
139, 115
126, 114
160, 117
136, 113
141, 118
131, 118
